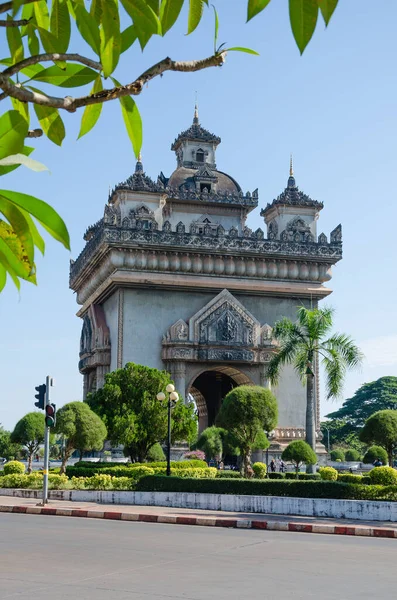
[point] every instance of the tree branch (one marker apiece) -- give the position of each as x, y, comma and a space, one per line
53, 56
8, 5
14, 23
131, 89
35, 133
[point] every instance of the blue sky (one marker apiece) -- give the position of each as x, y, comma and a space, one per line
334, 108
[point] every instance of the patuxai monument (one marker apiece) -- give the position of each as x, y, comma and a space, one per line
172, 277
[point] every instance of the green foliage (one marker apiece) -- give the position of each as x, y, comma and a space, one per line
14, 467
156, 453
352, 455
245, 412
303, 476
81, 428
350, 478
176, 464
98, 25
276, 475
29, 432
373, 453
134, 417
14, 481
299, 452
100, 482
255, 487
133, 470
381, 428
328, 474
260, 470
227, 474
8, 450
337, 454
211, 442
383, 476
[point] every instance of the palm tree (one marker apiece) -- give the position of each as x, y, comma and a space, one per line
303, 342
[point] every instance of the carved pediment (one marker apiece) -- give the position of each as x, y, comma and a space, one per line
225, 321
178, 332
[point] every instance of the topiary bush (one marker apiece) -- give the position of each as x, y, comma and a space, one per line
352, 455
383, 476
276, 475
337, 454
328, 474
373, 453
123, 483
88, 469
58, 482
15, 481
303, 476
99, 482
229, 474
156, 453
14, 467
260, 470
349, 478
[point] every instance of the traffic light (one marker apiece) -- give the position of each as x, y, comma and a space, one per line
50, 415
41, 389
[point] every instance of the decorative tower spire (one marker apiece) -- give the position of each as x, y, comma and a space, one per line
196, 117
291, 178
139, 165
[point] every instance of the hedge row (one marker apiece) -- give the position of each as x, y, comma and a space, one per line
287, 488
180, 464
133, 471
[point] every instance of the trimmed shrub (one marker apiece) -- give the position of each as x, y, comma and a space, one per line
123, 483
14, 467
156, 453
256, 487
79, 483
15, 481
303, 476
276, 475
229, 474
349, 478
352, 455
366, 479
337, 455
99, 482
260, 470
328, 474
373, 453
58, 482
88, 469
383, 476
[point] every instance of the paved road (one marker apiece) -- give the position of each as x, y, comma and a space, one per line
63, 558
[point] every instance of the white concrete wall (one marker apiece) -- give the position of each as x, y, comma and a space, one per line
309, 507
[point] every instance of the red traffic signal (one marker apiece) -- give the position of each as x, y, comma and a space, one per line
50, 415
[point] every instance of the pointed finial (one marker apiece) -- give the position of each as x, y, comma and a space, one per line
291, 178
291, 169
139, 165
196, 117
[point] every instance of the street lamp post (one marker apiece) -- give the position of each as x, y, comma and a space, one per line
172, 398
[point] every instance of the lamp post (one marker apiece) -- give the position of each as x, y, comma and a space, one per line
172, 398
270, 436
327, 430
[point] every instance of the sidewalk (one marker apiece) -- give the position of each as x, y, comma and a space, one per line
185, 516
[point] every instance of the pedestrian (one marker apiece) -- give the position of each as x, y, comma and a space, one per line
282, 466
273, 466
378, 463
221, 466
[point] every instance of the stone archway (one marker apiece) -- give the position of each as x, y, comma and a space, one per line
210, 386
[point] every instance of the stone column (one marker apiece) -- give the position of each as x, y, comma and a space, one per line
178, 372
264, 381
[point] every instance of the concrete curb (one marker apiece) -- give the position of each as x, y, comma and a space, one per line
380, 532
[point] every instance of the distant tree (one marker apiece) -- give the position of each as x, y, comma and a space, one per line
352, 455
29, 432
381, 428
134, 417
373, 453
341, 434
337, 454
81, 428
211, 442
156, 453
245, 412
299, 452
368, 399
301, 343
8, 450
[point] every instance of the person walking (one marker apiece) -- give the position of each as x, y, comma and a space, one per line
273, 466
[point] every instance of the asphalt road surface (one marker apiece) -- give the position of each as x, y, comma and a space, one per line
59, 558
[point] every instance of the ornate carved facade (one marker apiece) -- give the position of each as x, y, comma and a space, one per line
172, 276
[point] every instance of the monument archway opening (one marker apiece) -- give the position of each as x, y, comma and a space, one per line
210, 387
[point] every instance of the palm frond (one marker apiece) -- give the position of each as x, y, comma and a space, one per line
285, 329
319, 322
346, 348
285, 355
335, 370
301, 361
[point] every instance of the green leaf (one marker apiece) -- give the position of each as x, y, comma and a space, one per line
327, 8
16, 5
28, 14
22, 108
51, 123
96, 10
92, 112
73, 76
216, 28
303, 17
154, 5
33, 40
41, 15
36, 237
128, 37
19, 225
110, 36
169, 12
14, 40
195, 13
132, 120
43, 212
21, 159
255, 7
26, 150
48, 40
3, 277
88, 28
12, 263
13, 131
60, 24
144, 18
32, 70
241, 49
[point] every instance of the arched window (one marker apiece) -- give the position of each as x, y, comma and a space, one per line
200, 156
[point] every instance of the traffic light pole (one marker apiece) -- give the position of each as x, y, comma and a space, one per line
48, 382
